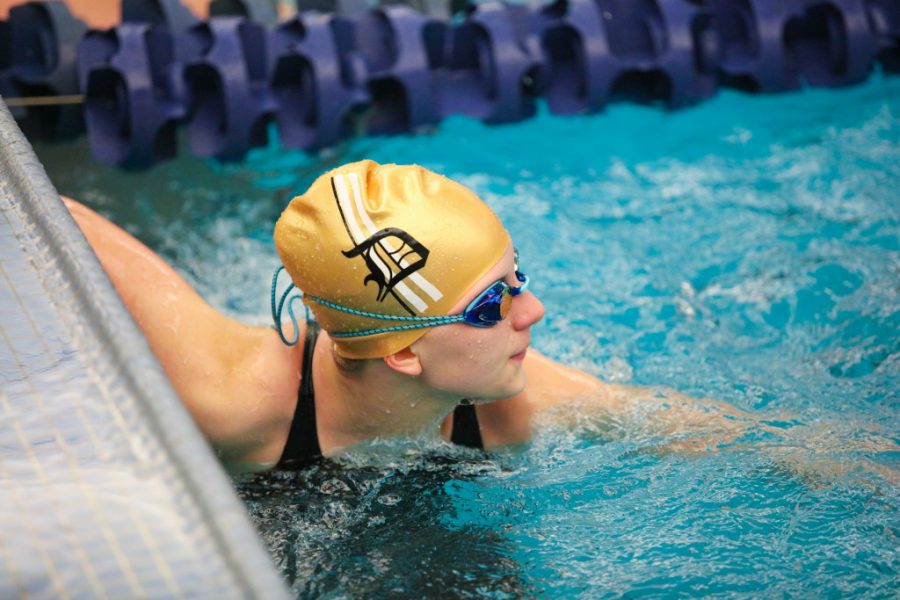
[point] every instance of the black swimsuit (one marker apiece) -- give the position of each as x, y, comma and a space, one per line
302, 445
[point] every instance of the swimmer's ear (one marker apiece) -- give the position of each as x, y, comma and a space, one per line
404, 361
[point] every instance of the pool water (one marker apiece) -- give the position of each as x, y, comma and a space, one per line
746, 250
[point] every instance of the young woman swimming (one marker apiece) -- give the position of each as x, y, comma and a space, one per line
420, 307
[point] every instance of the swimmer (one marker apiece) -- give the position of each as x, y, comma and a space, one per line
422, 327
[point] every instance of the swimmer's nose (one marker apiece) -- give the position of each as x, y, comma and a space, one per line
526, 311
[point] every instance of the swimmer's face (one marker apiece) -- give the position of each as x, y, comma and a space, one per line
482, 363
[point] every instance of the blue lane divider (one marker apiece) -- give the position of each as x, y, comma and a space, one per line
646, 51
133, 93
226, 78
316, 84
393, 43
263, 13
768, 46
168, 13
37, 58
884, 17
228, 97
490, 65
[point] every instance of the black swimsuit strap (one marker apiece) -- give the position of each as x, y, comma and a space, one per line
302, 444
466, 431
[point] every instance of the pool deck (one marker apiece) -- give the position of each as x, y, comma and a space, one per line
107, 488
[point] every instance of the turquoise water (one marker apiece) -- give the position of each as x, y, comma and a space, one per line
746, 250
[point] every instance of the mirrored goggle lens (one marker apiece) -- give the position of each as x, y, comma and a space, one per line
490, 307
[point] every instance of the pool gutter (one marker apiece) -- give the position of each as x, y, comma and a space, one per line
119, 364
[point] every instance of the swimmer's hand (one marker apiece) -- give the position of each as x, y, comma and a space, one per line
667, 422
818, 452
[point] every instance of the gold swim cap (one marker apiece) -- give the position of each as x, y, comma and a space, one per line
387, 239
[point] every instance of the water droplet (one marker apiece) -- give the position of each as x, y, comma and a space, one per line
389, 499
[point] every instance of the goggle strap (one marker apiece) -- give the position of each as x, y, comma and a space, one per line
414, 322
348, 334
278, 309
425, 321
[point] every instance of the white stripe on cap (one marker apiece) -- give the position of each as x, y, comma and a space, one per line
358, 236
417, 278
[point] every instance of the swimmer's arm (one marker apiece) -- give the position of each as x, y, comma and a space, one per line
672, 422
558, 395
229, 375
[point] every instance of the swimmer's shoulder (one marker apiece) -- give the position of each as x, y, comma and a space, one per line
549, 384
239, 382
254, 424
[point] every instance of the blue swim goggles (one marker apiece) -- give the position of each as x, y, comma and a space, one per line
487, 309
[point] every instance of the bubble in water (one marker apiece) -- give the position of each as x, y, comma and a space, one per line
389, 499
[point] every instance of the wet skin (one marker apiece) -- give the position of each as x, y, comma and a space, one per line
240, 382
